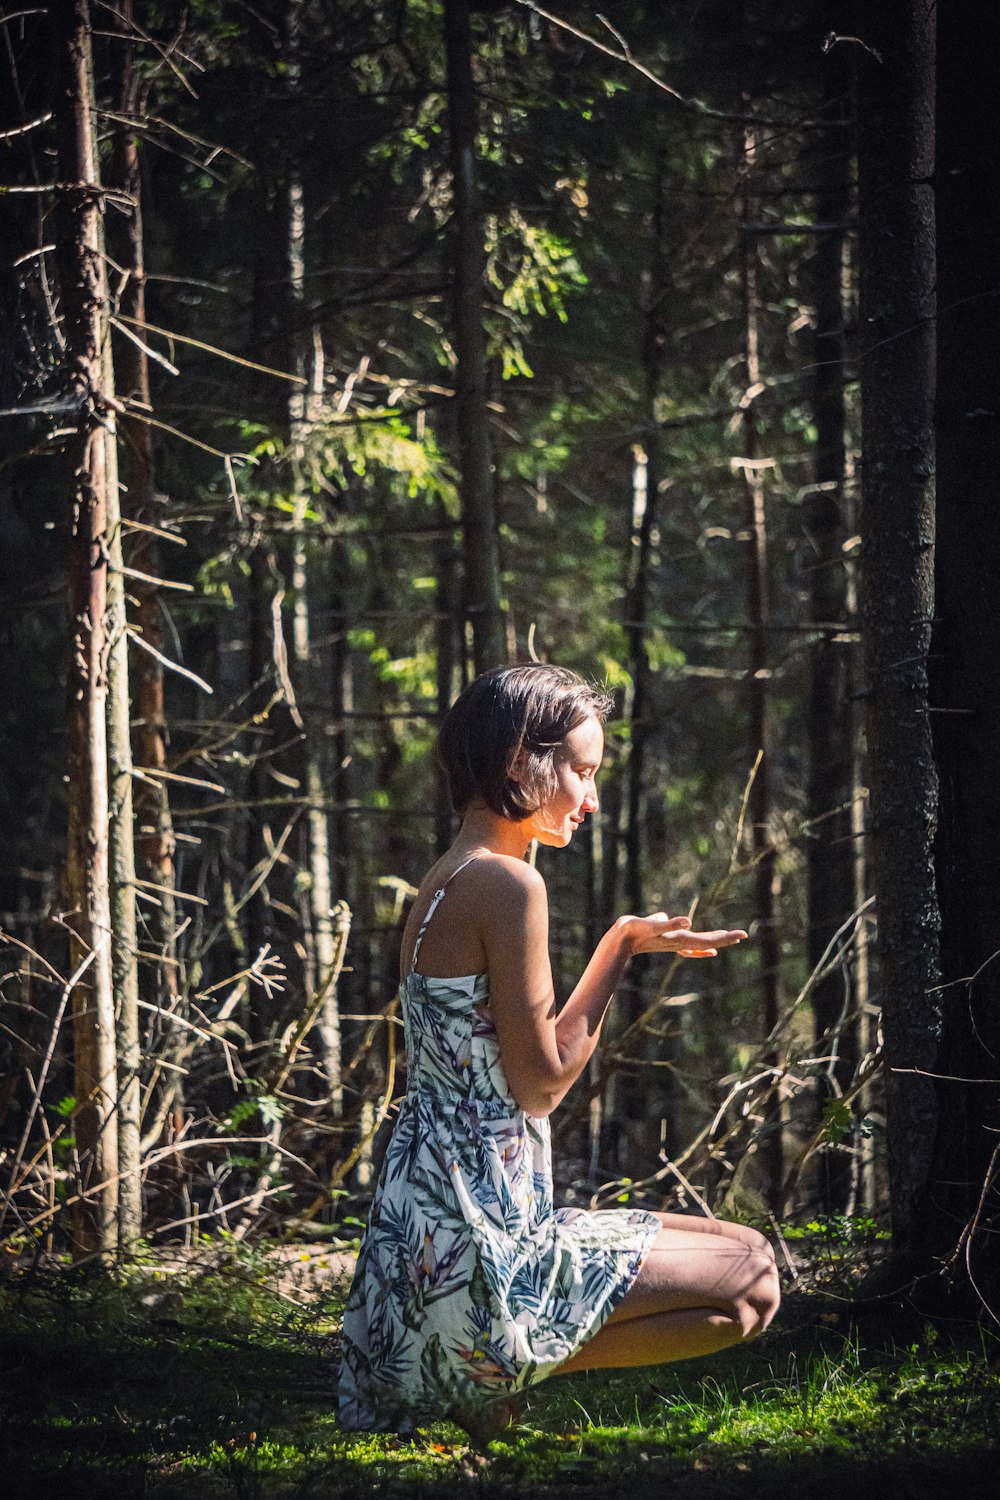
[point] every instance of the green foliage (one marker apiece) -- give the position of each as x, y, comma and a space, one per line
218, 1379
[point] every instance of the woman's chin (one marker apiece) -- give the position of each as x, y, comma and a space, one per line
555, 838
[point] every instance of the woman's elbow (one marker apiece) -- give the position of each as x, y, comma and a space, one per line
536, 1101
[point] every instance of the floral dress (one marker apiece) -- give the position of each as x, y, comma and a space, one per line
469, 1284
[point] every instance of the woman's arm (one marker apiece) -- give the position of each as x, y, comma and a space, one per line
544, 1054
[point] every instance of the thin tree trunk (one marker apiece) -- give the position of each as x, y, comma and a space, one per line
149, 685
483, 607
644, 482
304, 407
966, 720
829, 852
444, 562
758, 615
896, 246
84, 306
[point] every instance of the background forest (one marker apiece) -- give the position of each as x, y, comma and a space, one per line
349, 348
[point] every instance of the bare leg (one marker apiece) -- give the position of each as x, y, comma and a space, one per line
655, 1340
705, 1285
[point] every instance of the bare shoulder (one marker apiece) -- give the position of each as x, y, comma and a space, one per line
510, 879
510, 905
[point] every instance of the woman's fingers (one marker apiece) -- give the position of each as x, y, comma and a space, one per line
702, 942
659, 933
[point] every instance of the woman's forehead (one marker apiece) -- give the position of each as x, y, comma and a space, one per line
585, 743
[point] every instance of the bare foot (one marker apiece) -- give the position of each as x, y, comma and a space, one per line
484, 1423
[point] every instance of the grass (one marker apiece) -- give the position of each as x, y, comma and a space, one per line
218, 1381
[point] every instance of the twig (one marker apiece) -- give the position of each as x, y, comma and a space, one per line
294, 1037
8, 135
68, 988
743, 811
173, 666
626, 56
236, 359
160, 359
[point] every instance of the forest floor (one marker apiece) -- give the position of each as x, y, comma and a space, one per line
211, 1375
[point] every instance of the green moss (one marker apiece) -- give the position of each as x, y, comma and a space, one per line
220, 1381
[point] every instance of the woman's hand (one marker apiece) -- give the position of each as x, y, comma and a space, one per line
659, 933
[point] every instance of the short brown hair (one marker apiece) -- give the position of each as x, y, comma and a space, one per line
521, 711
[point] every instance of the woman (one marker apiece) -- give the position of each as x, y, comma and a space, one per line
470, 1286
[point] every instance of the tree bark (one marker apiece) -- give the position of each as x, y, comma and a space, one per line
304, 409
896, 247
84, 306
483, 607
759, 802
122, 831
830, 791
966, 713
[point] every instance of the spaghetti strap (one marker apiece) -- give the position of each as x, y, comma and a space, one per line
432, 908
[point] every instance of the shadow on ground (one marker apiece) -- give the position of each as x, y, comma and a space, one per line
215, 1384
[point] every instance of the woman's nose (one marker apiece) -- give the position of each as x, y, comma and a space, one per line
592, 802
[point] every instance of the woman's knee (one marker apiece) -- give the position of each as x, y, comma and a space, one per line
752, 1238
761, 1295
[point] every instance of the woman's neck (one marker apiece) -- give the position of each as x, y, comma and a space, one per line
482, 828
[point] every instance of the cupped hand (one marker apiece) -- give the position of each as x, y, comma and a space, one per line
659, 933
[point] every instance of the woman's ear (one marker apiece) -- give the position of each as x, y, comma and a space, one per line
517, 768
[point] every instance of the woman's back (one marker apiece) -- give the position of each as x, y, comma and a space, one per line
469, 1284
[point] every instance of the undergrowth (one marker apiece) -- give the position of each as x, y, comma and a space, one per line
216, 1378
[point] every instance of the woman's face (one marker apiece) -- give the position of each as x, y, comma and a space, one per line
576, 763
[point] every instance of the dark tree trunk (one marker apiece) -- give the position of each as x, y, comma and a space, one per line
483, 607
156, 838
758, 616
84, 307
896, 247
444, 657
637, 1095
966, 715
305, 405
829, 851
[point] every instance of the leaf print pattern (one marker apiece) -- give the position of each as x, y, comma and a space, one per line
469, 1284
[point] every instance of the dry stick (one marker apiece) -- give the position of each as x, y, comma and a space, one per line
73, 980
626, 56
274, 1080
159, 47
160, 359
341, 1171
206, 749
968, 1233
294, 1038
8, 135
138, 124
224, 1208
236, 359
737, 841
777, 1074
610, 1059
133, 410
860, 1083
267, 865
136, 636
202, 1142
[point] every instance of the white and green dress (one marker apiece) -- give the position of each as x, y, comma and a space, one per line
469, 1283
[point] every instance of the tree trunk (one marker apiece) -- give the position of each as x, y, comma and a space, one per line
149, 685
84, 307
304, 409
896, 247
829, 851
758, 615
483, 608
966, 714
444, 663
